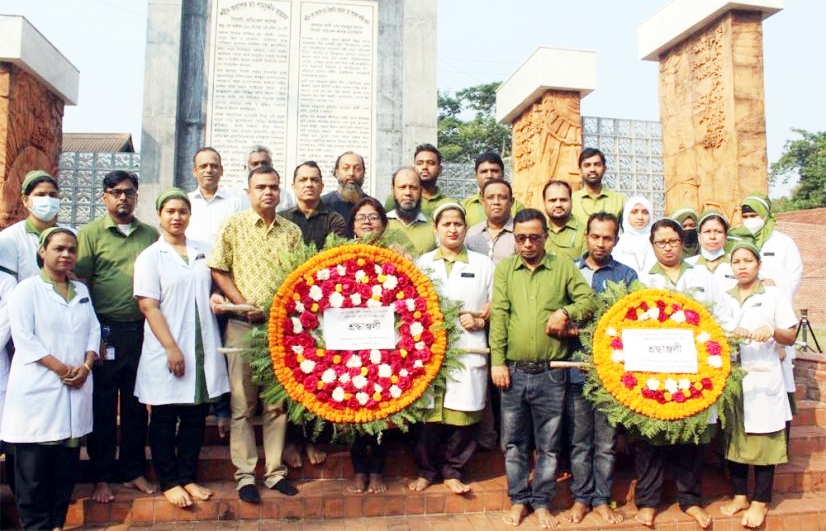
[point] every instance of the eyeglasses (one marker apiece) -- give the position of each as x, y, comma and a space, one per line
534, 238
662, 244
367, 217
117, 192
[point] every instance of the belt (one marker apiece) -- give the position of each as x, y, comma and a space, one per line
529, 367
128, 325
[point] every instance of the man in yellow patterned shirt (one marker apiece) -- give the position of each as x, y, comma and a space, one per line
248, 246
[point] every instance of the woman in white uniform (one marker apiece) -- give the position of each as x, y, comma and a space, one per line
634, 248
446, 441
712, 229
49, 398
180, 369
765, 319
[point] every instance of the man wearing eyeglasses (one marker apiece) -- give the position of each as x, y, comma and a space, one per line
107, 249
535, 296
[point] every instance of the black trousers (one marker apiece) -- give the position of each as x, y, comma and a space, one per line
443, 450
686, 462
763, 480
367, 455
176, 433
44, 477
115, 384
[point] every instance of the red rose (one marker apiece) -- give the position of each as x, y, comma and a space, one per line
311, 383
644, 306
707, 384
631, 314
298, 375
675, 307
660, 397
616, 343
692, 317
713, 348
695, 393
678, 397
322, 397
388, 269
290, 361
647, 393
353, 403
420, 304
308, 320
629, 380
404, 383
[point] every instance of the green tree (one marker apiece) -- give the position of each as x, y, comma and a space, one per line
805, 157
461, 139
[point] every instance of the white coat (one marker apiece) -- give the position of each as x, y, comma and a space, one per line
39, 407
18, 250
765, 404
472, 285
163, 275
7, 284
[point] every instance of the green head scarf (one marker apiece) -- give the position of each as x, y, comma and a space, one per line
35, 177
759, 203
744, 244
172, 193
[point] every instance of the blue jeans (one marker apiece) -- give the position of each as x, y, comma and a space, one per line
532, 407
592, 449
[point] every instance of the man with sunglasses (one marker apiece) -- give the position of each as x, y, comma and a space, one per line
535, 296
107, 249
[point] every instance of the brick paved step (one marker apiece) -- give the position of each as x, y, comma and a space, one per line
810, 413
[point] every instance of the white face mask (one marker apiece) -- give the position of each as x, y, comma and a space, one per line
753, 225
712, 255
44, 208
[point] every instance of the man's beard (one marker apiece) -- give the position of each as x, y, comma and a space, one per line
351, 193
430, 185
409, 212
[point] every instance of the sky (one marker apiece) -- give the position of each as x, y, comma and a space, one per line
478, 41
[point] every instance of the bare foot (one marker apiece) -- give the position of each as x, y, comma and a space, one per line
699, 514
575, 514
456, 486
608, 514
419, 485
645, 516
546, 519
737, 504
102, 493
358, 485
755, 515
140, 483
223, 427
178, 497
314, 455
197, 491
515, 516
292, 456
376, 483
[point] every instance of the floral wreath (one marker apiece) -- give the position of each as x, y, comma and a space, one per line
676, 405
369, 388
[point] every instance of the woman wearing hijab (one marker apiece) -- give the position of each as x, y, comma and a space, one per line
713, 228
634, 248
687, 218
180, 369
49, 397
765, 318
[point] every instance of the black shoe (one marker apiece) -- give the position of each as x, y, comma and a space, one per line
285, 487
249, 494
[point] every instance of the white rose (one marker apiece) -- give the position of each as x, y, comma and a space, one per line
315, 293
703, 336
338, 394
344, 378
653, 384
385, 371
328, 376
403, 373
355, 298
678, 317
377, 269
684, 383
377, 388
395, 391
390, 282
341, 270
376, 290
419, 345
670, 385
653, 313
297, 328
362, 398
359, 381
418, 364
336, 299
416, 329
375, 357
323, 275
618, 356
298, 349
715, 361
354, 362
360, 274
299, 307
411, 305
307, 366
611, 331
373, 303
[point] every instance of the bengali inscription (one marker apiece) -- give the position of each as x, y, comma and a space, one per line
706, 63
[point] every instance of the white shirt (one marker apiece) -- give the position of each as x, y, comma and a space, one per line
7, 284
635, 252
209, 214
472, 285
723, 273
18, 250
39, 407
765, 404
780, 261
163, 275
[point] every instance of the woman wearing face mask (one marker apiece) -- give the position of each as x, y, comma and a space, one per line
713, 228
687, 217
40, 197
634, 248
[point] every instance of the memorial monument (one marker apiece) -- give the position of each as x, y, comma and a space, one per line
36, 82
307, 79
711, 99
541, 101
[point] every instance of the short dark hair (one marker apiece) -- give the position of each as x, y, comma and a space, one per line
263, 169
587, 153
489, 157
335, 168
603, 216
310, 163
667, 223
430, 148
557, 182
496, 181
114, 178
213, 150
531, 214
393, 178
373, 202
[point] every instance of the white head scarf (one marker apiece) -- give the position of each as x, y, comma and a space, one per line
634, 248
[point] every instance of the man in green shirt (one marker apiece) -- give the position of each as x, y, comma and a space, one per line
593, 197
107, 249
566, 237
407, 218
489, 166
427, 161
535, 296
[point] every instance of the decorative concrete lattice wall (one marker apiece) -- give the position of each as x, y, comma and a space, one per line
81, 183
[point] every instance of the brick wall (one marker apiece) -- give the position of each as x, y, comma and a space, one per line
806, 227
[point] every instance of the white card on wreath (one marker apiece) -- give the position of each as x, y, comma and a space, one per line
359, 328
660, 350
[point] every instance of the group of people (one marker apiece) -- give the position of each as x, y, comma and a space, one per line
120, 317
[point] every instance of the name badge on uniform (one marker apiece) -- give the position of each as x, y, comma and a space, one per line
468, 275
768, 254
700, 289
200, 256
84, 299
756, 304
730, 276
